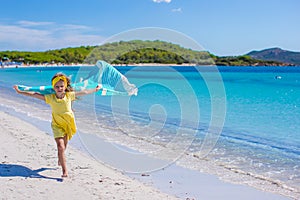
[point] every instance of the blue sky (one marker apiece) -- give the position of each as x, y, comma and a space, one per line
222, 27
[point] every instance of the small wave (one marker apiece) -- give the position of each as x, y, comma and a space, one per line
236, 175
260, 142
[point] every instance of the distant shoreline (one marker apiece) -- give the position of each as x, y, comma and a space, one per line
138, 65
156, 64
89, 65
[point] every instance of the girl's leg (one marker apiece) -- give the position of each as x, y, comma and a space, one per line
60, 142
66, 142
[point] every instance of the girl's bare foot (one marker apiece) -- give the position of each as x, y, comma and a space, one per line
64, 175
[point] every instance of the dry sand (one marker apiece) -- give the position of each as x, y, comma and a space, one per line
28, 170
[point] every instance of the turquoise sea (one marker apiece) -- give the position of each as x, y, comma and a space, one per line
253, 114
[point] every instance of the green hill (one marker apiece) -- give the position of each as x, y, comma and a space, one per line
137, 51
130, 52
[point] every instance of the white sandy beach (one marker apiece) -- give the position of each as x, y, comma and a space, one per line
89, 65
28, 170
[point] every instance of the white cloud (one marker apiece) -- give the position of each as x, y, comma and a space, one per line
177, 10
160, 1
41, 36
25, 23
75, 27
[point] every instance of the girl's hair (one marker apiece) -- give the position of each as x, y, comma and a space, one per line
69, 88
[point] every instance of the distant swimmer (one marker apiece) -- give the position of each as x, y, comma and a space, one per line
278, 77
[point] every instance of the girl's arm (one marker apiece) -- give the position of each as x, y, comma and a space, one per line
30, 94
90, 91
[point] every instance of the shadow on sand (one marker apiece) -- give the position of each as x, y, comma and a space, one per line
12, 170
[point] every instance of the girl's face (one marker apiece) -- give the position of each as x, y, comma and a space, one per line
59, 88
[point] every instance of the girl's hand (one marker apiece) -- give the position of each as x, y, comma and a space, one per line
16, 88
98, 87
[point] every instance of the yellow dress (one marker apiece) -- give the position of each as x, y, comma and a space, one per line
63, 120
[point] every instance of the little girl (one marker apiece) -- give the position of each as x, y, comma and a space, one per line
63, 121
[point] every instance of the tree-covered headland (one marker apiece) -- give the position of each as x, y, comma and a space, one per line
130, 52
